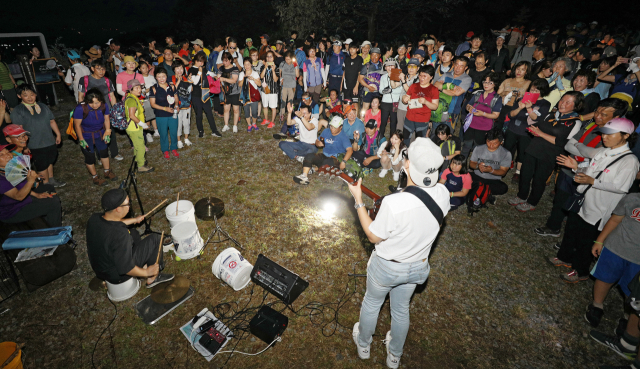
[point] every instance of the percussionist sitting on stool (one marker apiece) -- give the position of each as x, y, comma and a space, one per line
117, 253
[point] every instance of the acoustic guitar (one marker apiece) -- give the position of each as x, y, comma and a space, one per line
332, 171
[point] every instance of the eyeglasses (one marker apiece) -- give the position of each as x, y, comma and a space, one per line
233, 48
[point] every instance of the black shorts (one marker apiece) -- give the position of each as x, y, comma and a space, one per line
42, 158
233, 100
347, 93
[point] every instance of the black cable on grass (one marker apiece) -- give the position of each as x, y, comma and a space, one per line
237, 319
100, 336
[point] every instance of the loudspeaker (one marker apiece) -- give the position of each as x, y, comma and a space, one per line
268, 324
277, 280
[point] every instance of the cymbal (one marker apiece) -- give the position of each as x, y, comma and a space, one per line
96, 284
172, 291
208, 207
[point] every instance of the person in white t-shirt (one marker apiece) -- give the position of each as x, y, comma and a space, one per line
251, 109
404, 231
75, 72
307, 125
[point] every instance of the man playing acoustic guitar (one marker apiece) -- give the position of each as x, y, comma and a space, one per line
404, 231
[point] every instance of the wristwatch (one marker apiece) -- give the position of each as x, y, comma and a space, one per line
358, 206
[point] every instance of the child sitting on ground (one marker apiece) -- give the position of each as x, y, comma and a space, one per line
457, 180
449, 145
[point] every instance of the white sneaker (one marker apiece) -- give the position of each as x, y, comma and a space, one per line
180, 145
396, 176
187, 142
156, 134
235, 129
300, 159
383, 172
225, 128
149, 137
363, 352
392, 361
284, 153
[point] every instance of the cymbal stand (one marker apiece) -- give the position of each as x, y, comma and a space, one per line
222, 235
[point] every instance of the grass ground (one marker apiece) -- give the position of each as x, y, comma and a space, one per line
491, 301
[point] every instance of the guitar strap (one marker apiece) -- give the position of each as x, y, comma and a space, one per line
428, 201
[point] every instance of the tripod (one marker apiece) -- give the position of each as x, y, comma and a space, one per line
221, 233
131, 181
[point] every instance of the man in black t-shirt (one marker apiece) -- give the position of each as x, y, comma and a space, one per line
117, 253
352, 67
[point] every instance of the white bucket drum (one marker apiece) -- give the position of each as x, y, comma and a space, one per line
232, 268
123, 291
187, 242
186, 212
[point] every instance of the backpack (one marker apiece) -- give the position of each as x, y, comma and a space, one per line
71, 131
478, 197
476, 97
118, 116
85, 82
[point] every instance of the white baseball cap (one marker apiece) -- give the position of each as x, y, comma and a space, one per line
348, 41
365, 44
425, 159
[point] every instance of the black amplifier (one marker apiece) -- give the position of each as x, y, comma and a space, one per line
268, 324
277, 280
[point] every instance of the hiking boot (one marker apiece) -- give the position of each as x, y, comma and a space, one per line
614, 344
145, 169
593, 315
363, 352
547, 232
392, 361
110, 175
524, 207
515, 179
119, 157
516, 201
621, 327
98, 181
557, 262
573, 277
301, 179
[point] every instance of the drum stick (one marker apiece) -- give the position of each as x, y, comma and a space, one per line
154, 209
177, 203
160, 247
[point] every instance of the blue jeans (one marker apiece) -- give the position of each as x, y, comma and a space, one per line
399, 280
293, 149
168, 124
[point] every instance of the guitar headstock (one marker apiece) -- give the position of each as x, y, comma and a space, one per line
352, 175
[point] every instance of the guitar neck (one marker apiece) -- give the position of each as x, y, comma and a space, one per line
365, 190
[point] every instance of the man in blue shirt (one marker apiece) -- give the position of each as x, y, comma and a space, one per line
352, 124
335, 143
335, 67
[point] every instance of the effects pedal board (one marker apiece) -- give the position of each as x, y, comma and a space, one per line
212, 340
268, 324
277, 280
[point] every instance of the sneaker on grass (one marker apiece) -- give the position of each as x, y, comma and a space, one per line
516, 201
547, 232
363, 352
614, 344
300, 159
392, 361
301, 179
216, 134
557, 262
525, 207
573, 277
149, 137
593, 315
279, 136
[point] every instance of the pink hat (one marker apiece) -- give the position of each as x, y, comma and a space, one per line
622, 125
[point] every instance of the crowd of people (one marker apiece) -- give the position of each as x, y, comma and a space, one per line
460, 117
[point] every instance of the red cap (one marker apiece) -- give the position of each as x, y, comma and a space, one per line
470, 34
14, 130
